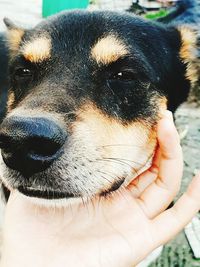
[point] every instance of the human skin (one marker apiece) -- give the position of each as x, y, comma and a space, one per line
117, 231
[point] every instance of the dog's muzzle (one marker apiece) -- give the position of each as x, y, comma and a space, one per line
30, 145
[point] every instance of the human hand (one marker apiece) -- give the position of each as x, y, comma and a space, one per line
117, 231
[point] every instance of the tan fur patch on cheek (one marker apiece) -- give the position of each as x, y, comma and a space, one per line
37, 50
188, 53
11, 99
14, 37
133, 143
108, 49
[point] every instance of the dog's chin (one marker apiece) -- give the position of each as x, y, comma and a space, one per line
56, 198
44, 194
53, 198
51, 202
42, 197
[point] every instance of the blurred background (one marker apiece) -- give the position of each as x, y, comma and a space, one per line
29, 12
184, 250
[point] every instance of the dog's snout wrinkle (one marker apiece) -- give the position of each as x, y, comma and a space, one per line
30, 145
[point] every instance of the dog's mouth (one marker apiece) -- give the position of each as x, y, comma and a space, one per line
53, 194
44, 194
35, 193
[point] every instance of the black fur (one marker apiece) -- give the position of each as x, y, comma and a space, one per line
3, 75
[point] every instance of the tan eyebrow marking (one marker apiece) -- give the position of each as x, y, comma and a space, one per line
14, 37
37, 50
108, 50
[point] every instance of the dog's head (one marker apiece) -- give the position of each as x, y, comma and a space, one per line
87, 90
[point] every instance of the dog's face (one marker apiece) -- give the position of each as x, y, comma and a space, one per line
87, 91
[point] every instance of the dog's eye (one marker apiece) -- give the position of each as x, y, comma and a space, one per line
123, 76
23, 74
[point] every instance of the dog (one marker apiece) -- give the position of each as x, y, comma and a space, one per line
86, 92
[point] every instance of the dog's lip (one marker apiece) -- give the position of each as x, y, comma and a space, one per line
44, 194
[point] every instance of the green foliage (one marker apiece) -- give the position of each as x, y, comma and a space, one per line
156, 15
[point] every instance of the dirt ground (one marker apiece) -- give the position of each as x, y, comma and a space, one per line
177, 253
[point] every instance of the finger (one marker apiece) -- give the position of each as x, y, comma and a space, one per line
157, 196
139, 184
173, 220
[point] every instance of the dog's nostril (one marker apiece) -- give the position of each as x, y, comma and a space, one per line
43, 147
30, 145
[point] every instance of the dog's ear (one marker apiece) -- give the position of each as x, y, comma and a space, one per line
14, 35
190, 52
180, 68
9, 24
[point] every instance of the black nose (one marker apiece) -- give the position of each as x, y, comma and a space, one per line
30, 145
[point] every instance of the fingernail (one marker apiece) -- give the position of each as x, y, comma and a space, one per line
168, 114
